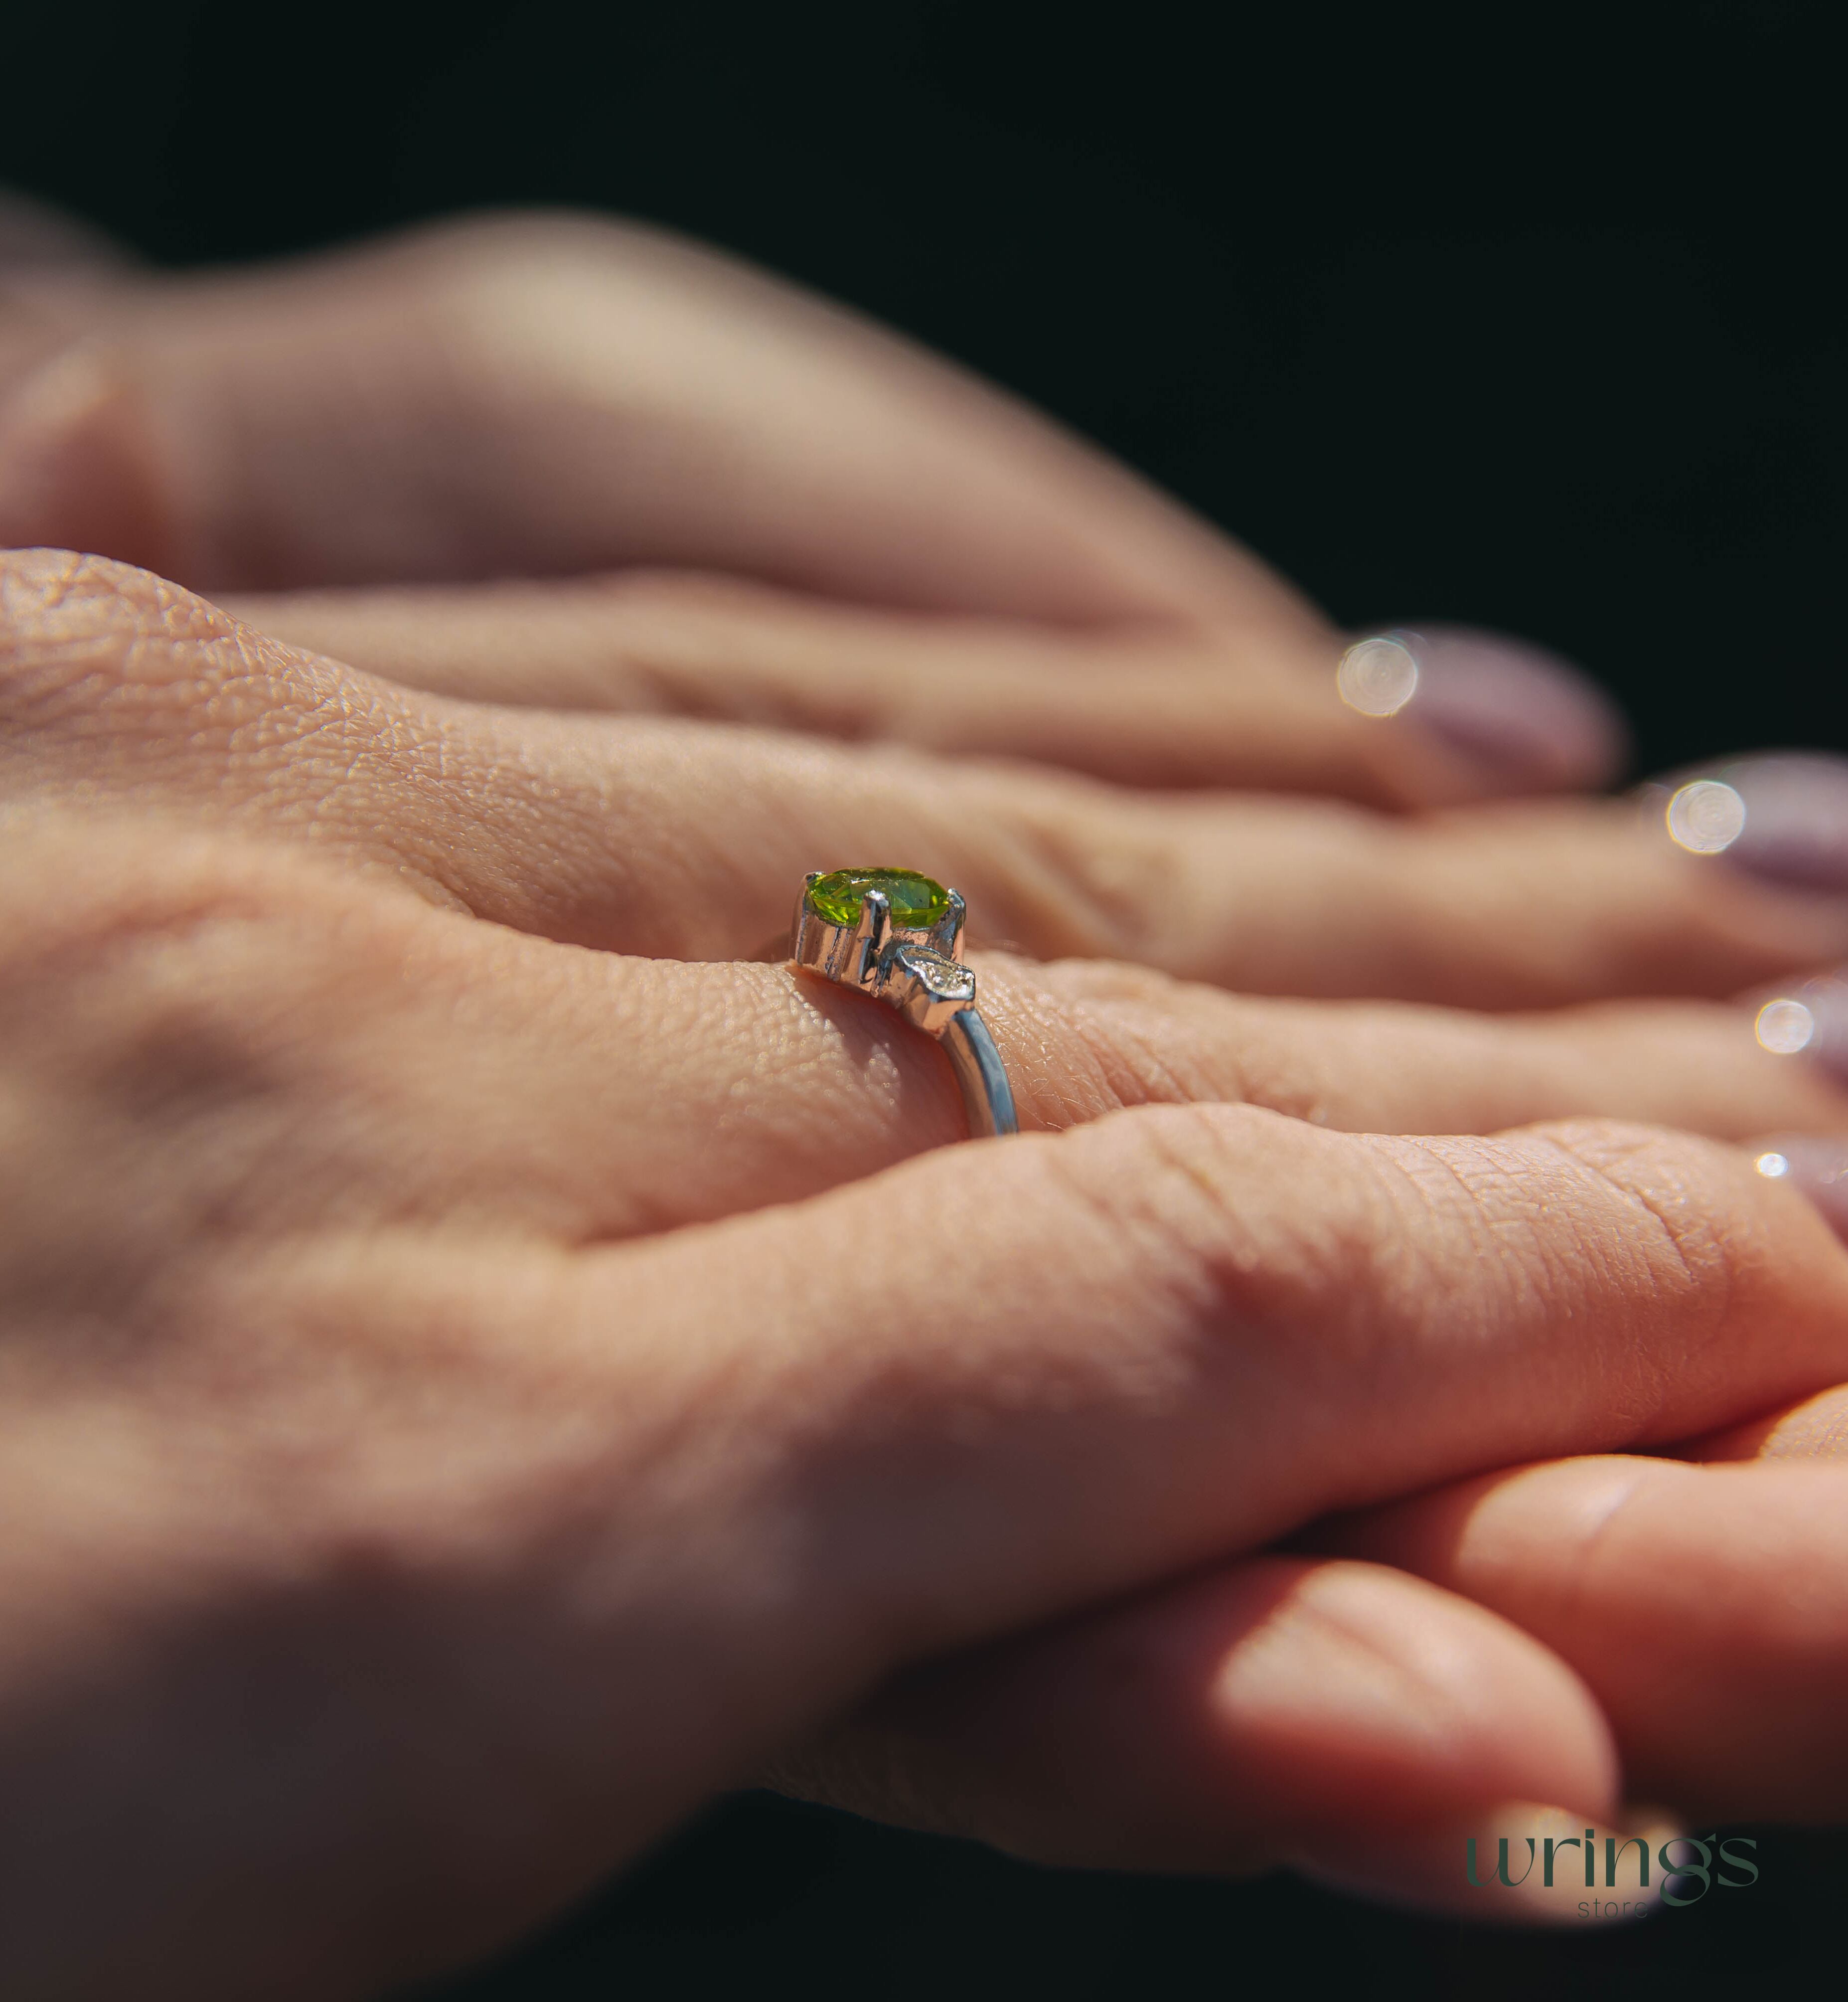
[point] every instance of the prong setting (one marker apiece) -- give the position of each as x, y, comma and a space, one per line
946, 936
874, 935
916, 969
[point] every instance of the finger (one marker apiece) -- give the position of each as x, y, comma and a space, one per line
1814, 1427
1085, 1036
1512, 707
1463, 1277
624, 1521
416, 374
1227, 1723
1040, 1373
503, 1079
541, 396
665, 838
1246, 1367
1682, 1595
1143, 704
484, 1088
1137, 1359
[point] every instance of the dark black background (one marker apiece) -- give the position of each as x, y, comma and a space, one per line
1524, 315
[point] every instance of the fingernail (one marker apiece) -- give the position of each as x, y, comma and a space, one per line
1783, 816
1818, 1168
1533, 721
1809, 1019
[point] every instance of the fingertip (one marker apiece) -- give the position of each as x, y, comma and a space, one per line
1436, 1729
1814, 1164
1275, 1706
1527, 720
1817, 1428
1368, 1696
1789, 826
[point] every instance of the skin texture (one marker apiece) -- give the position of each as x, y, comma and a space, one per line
444, 1372
672, 839
551, 397
1141, 701
410, 1333
1597, 1556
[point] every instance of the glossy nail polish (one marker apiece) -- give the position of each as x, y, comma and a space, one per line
1529, 721
1818, 1166
1809, 1018
1783, 816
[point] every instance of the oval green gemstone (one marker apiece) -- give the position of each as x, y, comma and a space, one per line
917, 902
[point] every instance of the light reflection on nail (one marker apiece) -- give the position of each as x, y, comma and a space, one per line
1378, 675
1706, 817
1784, 1026
1816, 1166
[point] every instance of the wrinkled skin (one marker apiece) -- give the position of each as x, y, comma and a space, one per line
488, 1363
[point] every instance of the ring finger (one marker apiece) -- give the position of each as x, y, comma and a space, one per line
677, 839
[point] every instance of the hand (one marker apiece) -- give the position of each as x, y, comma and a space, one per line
709, 648
546, 396
1700, 1603
375, 1419
1310, 1709
499, 396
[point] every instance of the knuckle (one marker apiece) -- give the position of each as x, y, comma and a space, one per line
1377, 1251
502, 278
513, 248
1677, 1230
104, 1040
1672, 1197
101, 663
75, 628
1674, 1253
153, 969
113, 896
1107, 981
1583, 1220
175, 1056
1104, 1034
1202, 1204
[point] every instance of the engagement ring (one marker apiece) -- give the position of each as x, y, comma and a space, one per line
898, 936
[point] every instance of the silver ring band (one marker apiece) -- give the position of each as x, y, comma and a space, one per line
896, 936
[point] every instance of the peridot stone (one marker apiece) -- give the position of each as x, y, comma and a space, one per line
917, 902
